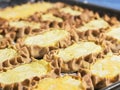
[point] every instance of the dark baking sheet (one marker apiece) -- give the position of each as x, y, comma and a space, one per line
101, 10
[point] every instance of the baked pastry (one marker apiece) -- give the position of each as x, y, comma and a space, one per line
24, 10
78, 55
77, 16
25, 77
62, 83
5, 41
23, 28
92, 29
111, 39
69, 40
105, 71
42, 43
13, 56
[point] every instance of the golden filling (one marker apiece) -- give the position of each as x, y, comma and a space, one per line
94, 25
49, 38
1, 36
70, 11
107, 68
115, 33
78, 50
25, 71
7, 53
62, 83
50, 17
21, 24
24, 10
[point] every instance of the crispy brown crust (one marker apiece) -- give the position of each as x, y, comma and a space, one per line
111, 20
39, 51
98, 82
22, 58
110, 42
91, 35
29, 83
16, 33
5, 42
74, 64
76, 21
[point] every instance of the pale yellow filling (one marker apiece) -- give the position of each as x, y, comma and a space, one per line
1, 36
49, 38
78, 49
115, 33
50, 17
62, 83
20, 24
70, 11
107, 68
94, 25
25, 71
24, 10
7, 53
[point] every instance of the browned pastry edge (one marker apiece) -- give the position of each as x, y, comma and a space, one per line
29, 83
76, 21
74, 64
111, 42
39, 51
5, 42
111, 20
22, 57
16, 33
97, 81
91, 35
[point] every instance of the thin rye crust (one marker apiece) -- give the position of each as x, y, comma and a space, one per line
20, 56
73, 64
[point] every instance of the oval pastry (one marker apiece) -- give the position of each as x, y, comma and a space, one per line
74, 57
25, 76
42, 43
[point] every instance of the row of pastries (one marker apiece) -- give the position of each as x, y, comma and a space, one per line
56, 46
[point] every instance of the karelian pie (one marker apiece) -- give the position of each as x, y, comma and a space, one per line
13, 56
22, 28
105, 71
112, 38
25, 76
78, 55
24, 10
48, 19
92, 29
64, 83
42, 43
76, 15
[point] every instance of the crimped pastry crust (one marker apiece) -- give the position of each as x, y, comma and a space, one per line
38, 51
100, 80
29, 82
92, 30
111, 40
73, 64
22, 56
